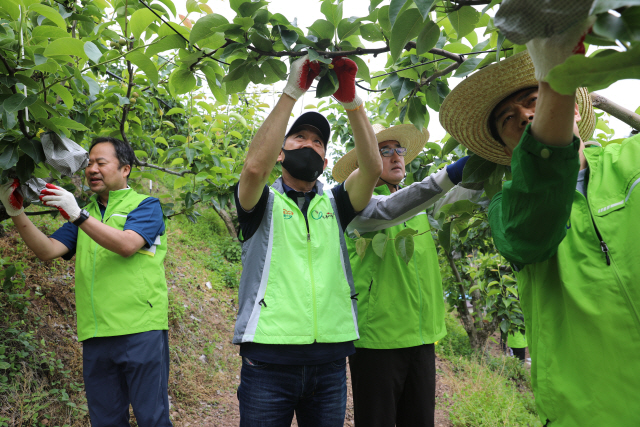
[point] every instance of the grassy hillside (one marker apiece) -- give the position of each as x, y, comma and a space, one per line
41, 360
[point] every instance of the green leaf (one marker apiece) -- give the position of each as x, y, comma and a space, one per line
379, 244
175, 110
424, 6
66, 46
333, 12
405, 244
464, 20
444, 236
147, 66
477, 169
371, 32
140, 21
401, 88
394, 9
322, 29
68, 123
33, 149
347, 28
63, 93
48, 31
408, 26
207, 26
273, 70
50, 13
192, 6
361, 247
504, 326
328, 85
182, 80
594, 72
427, 38
173, 41
18, 101
363, 69
9, 157
261, 42
417, 113
248, 9
467, 67
600, 6
288, 37
449, 146
92, 52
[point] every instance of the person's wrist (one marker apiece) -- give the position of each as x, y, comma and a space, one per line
82, 217
74, 213
352, 105
293, 92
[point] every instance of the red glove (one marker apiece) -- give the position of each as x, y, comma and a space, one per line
61, 199
11, 197
301, 76
346, 71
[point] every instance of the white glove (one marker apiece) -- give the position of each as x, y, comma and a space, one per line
301, 76
61, 199
548, 52
11, 197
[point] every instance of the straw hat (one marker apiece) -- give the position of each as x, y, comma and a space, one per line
406, 135
465, 111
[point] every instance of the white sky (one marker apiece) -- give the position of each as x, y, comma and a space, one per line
624, 92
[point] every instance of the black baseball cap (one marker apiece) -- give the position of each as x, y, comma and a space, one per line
315, 119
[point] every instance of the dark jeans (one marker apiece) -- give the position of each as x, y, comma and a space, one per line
394, 387
269, 394
128, 369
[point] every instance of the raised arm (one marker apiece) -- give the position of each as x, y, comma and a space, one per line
386, 211
359, 184
266, 144
362, 181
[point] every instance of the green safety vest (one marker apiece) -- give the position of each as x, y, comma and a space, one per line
296, 285
399, 305
117, 295
581, 314
516, 340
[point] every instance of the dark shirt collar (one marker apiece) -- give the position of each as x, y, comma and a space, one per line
294, 193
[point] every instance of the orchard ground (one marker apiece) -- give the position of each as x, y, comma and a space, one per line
202, 270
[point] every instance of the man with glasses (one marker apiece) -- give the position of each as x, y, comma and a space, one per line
400, 305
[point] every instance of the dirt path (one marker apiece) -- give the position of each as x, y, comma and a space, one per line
226, 413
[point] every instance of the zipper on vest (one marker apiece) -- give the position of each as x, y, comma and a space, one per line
261, 302
93, 279
603, 245
313, 289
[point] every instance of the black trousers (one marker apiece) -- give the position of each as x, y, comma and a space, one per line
395, 387
519, 353
127, 369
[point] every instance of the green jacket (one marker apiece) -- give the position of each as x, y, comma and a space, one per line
580, 303
296, 285
117, 295
399, 305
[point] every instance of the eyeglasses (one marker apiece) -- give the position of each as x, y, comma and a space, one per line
388, 152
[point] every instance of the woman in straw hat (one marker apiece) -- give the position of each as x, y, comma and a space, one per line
576, 248
400, 305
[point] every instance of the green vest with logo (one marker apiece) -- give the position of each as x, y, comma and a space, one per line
399, 305
582, 310
296, 285
117, 295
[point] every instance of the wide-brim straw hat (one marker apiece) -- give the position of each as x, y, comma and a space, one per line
408, 136
465, 111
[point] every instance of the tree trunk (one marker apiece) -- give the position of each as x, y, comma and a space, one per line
227, 221
463, 312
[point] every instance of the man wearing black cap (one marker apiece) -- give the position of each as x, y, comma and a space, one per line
297, 318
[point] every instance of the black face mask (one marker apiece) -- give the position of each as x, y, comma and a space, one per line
303, 164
